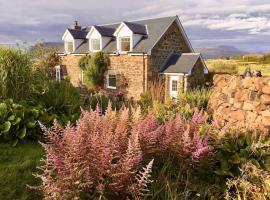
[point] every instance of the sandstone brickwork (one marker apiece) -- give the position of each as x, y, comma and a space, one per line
241, 102
70, 68
131, 75
171, 41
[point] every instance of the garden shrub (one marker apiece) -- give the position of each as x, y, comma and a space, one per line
252, 183
100, 157
15, 74
235, 149
20, 121
97, 65
197, 98
61, 99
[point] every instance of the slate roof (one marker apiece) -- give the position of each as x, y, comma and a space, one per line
155, 29
105, 31
180, 63
137, 28
78, 33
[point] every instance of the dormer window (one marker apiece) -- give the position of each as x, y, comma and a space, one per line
95, 44
69, 46
124, 43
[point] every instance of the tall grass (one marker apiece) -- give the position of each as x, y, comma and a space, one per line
196, 98
15, 74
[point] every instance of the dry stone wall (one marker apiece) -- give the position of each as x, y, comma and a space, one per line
241, 102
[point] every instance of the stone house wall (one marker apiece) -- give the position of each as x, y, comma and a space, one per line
241, 102
130, 74
171, 41
70, 68
197, 77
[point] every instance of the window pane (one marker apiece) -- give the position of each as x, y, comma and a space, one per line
174, 85
95, 44
112, 80
125, 44
69, 46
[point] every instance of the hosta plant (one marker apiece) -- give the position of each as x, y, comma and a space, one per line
20, 121
237, 148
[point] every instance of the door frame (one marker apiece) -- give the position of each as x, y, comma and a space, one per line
174, 94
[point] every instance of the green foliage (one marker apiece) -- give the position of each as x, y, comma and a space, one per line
236, 149
16, 167
97, 66
102, 100
44, 60
145, 101
170, 109
198, 98
20, 121
62, 100
15, 74
83, 62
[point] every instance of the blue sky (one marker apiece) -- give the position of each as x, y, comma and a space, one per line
244, 24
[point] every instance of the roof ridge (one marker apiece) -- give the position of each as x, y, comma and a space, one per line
134, 20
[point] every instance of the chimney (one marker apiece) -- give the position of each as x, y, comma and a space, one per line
75, 26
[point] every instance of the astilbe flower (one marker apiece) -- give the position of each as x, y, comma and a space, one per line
103, 153
184, 140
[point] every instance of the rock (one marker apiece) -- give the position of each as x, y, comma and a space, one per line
238, 115
266, 121
237, 104
265, 99
252, 96
251, 116
265, 113
266, 90
248, 82
248, 106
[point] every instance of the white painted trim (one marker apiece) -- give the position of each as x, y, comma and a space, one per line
184, 34
107, 77
116, 32
176, 74
65, 34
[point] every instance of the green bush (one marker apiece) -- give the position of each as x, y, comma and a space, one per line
102, 100
196, 98
61, 99
236, 149
15, 74
97, 65
145, 101
20, 121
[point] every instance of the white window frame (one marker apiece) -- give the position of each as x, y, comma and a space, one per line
108, 78
92, 45
120, 43
174, 93
58, 73
66, 46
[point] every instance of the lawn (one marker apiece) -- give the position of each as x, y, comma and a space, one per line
237, 66
17, 165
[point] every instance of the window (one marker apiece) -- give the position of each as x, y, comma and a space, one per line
125, 43
111, 79
69, 46
58, 73
95, 44
174, 85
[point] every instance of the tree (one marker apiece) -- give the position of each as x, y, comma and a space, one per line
97, 66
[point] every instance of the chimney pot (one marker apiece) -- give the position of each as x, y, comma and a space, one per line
75, 25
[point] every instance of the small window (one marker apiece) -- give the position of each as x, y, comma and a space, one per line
69, 46
95, 44
58, 74
111, 81
125, 43
174, 85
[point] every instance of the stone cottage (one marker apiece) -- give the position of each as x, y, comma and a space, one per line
140, 52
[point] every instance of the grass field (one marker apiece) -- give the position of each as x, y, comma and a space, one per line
17, 165
237, 66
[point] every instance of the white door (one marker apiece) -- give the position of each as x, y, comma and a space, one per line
174, 81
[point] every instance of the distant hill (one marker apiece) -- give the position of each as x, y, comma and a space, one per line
215, 52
